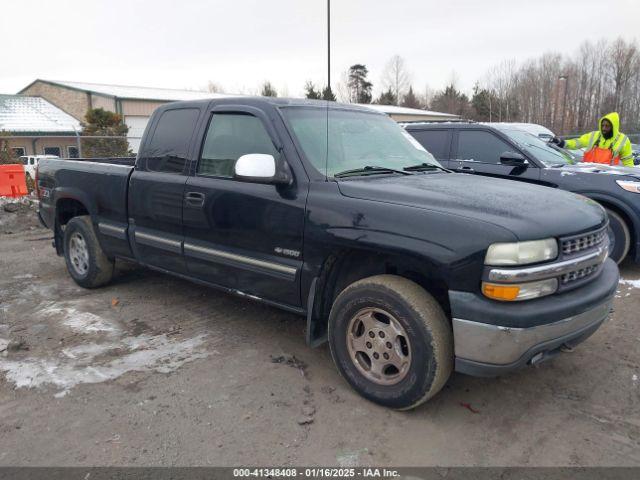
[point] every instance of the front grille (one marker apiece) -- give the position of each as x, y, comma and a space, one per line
583, 242
567, 278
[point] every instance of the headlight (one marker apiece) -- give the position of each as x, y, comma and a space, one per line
516, 292
629, 186
522, 253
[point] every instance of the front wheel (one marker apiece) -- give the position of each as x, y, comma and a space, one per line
619, 236
86, 261
391, 341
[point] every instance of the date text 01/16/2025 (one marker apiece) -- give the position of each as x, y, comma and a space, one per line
316, 472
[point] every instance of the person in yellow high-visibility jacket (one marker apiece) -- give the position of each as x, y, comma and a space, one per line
607, 145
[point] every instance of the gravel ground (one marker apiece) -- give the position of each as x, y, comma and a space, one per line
154, 370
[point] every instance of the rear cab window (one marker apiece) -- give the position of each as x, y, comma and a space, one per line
168, 149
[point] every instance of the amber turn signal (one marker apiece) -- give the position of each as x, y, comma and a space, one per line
500, 292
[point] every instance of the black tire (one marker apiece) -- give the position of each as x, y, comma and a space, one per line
429, 340
95, 269
619, 235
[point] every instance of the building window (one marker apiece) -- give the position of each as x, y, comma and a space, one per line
51, 151
18, 152
72, 152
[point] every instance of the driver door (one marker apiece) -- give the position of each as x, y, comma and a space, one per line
240, 235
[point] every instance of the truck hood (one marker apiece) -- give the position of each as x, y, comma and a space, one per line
597, 169
528, 211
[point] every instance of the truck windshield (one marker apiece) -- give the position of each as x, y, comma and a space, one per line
347, 141
540, 149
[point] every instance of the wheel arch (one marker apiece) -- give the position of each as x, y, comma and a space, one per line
67, 206
349, 265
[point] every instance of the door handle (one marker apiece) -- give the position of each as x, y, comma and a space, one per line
465, 170
195, 199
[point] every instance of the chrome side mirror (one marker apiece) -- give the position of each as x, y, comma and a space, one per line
262, 168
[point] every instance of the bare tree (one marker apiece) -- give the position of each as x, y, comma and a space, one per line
623, 67
396, 77
343, 91
268, 90
569, 93
214, 87
426, 97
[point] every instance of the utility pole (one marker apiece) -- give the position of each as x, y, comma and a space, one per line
329, 44
564, 101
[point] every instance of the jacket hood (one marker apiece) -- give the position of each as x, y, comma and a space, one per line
614, 118
521, 208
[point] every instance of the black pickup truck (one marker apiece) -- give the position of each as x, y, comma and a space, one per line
502, 150
335, 213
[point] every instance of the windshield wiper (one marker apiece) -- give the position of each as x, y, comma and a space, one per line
369, 170
422, 167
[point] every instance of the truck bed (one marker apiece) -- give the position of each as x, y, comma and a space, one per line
98, 185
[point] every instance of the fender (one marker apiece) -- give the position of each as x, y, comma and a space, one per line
317, 276
62, 193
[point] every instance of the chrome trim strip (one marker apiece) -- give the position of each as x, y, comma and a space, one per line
214, 255
112, 230
151, 240
551, 270
498, 345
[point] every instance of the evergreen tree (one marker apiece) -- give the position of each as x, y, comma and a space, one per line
410, 100
100, 122
311, 92
268, 90
6, 155
387, 98
359, 86
451, 100
327, 94
483, 102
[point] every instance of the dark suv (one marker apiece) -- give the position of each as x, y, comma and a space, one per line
505, 151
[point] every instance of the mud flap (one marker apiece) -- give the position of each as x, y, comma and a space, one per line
316, 327
58, 238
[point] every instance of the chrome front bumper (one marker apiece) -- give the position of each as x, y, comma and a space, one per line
483, 349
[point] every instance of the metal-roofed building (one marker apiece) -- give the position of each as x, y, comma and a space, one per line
135, 104
34, 126
404, 114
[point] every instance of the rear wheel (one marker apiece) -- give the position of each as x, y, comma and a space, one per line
619, 236
86, 261
391, 341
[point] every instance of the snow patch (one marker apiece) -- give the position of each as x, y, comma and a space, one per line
29, 200
630, 283
83, 322
80, 365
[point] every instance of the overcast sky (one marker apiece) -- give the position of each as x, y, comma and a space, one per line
241, 43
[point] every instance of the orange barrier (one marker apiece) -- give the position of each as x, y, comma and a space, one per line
13, 182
